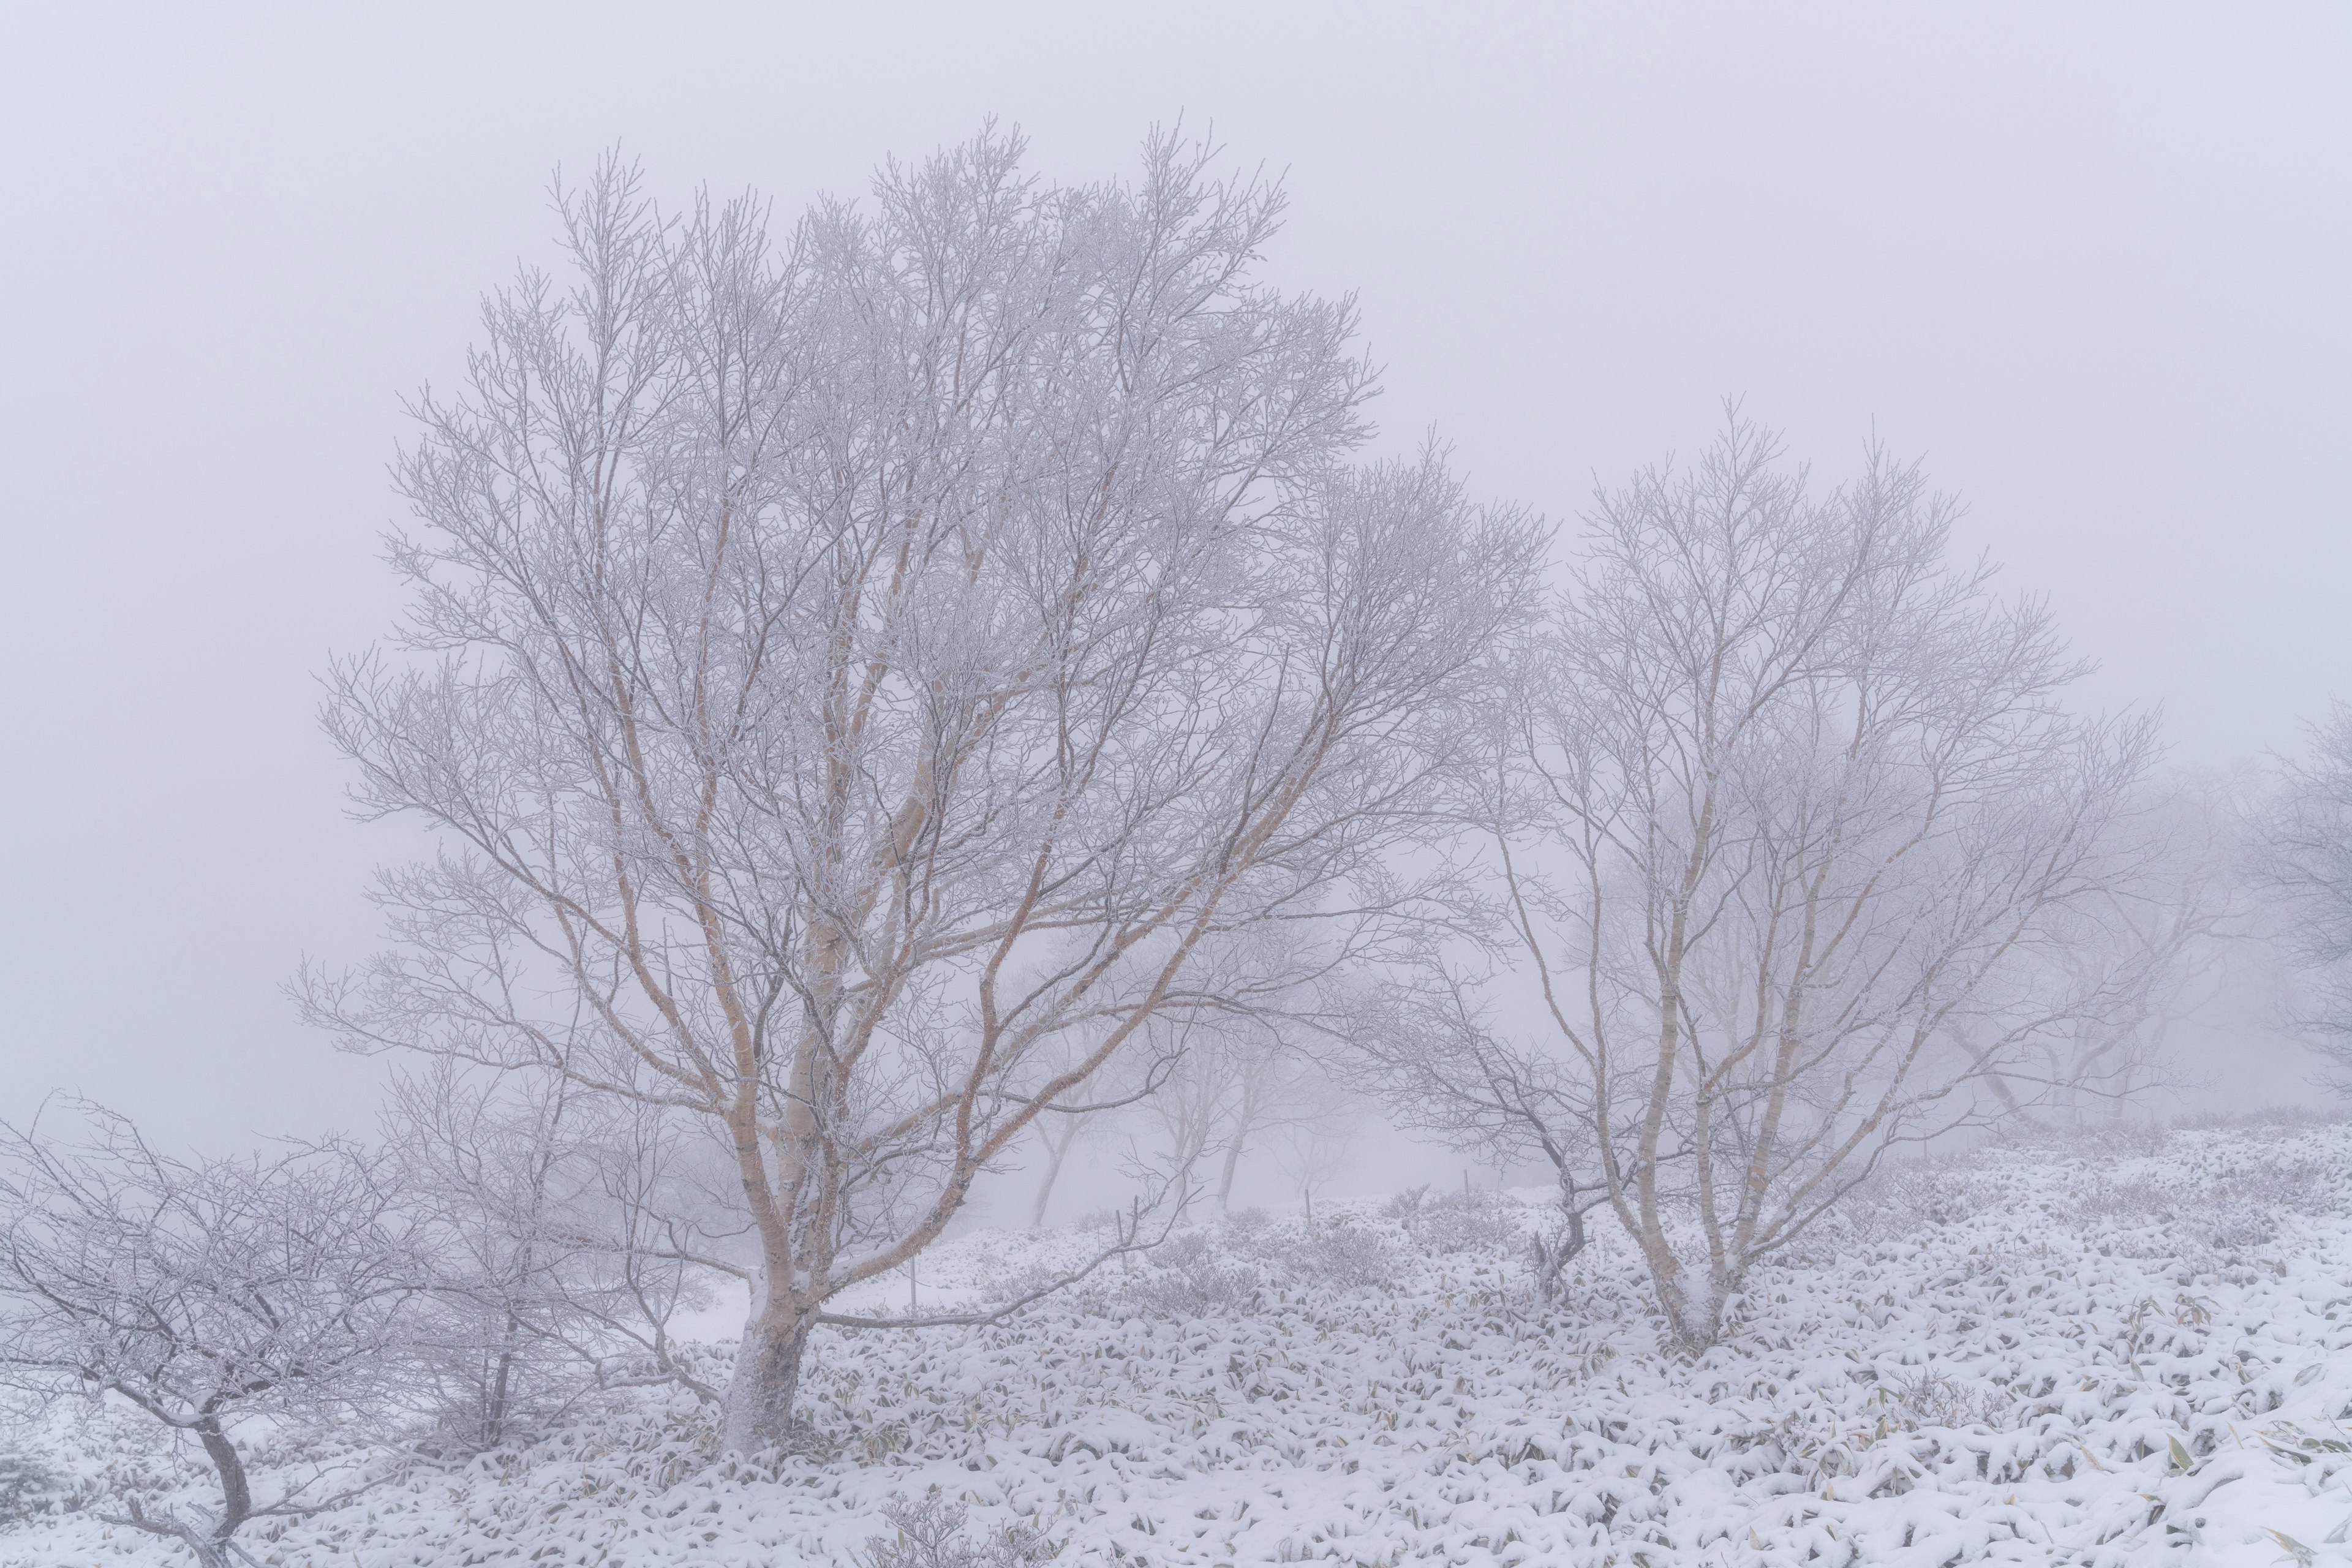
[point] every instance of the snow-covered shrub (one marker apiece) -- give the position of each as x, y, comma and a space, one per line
2225, 1209
2005, 1388
1233, 1266
235, 1303
2127, 1205
933, 1533
2276, 1120
1192, 1277
1904, 1199
1474, 1220
1482, 1220
2286, 1186
1344, 1252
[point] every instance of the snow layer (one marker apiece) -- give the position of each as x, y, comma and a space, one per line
2027, 1355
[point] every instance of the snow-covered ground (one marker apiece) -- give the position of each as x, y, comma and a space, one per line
2055, 1353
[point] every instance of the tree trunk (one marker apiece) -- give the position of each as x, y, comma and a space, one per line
236, 1496
1553, 1252
766, 1377
494, 1425
1225, 1181
1056, 1154
1692, 1301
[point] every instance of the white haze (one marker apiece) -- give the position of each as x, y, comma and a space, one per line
2090, 262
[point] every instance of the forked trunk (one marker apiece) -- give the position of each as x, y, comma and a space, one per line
766, 1377
1688, 1299
1693, 1306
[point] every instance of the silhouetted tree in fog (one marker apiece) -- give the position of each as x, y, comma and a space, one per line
2301, 857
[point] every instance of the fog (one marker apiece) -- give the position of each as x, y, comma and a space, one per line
2090, 262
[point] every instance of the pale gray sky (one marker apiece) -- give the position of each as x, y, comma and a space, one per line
2091, 259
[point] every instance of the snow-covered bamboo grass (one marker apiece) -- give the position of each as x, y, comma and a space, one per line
2127, 1352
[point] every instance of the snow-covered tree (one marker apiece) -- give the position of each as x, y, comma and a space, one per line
852, 673
2300, 858
207, 1293
555, 1230
1112, 1091
1794, 840
2149, 952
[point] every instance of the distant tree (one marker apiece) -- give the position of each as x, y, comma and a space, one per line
2300, 858
1444, 1069
1227, 1081
1795, 842
1232, 1071
1118, 1086
555, 1230
207, 1293
1316, 1138
1058, 1135
854, 674
2147, 953
1272, 1089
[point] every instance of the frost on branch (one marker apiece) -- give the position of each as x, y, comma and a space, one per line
211, 1295
856, 665
558, 1235
1797, 856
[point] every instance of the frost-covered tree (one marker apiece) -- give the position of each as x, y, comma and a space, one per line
2300, 858
1274, 1088
1794, 838
2152, 950
853, 672
1434, 1055
1118, 1087
1227, 1082
1316, 1138
207, 1293
555, 1230
1226, 1075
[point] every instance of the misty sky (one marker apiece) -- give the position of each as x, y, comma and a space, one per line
2093, 262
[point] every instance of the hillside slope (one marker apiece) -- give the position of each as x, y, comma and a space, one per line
2030, 1354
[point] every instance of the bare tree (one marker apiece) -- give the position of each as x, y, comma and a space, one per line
2146, 952
1228, 1071
853, 674
1227, 1081
1319, 1143
1058, 1135
1435, 1058
1271, 1088
1127, 1081
1794, 836
206, 1293
2300, 856
1189, 1104
555, 1230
